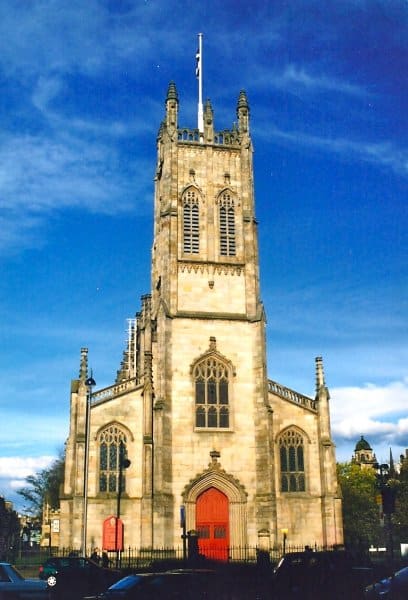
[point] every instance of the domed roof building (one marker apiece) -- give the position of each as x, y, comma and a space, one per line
363, 454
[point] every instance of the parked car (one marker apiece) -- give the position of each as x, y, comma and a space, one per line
313, 574
188, 584
76, 574
14, 586
394, 587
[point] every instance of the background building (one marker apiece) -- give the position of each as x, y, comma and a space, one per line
208, 434
364, 455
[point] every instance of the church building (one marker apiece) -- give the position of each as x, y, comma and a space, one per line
192, 432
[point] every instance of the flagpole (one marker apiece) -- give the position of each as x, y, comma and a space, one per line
200, 83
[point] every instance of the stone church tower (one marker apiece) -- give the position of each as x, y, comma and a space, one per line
245, 459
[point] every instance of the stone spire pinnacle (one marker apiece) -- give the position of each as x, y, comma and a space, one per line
243, 112
242, 100
208, 122
83, 366
172, 92
320, 382
392, 466
171, 107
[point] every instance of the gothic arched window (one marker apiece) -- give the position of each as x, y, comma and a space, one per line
112, 448
211, 394
191, 223
227, 225
292, 463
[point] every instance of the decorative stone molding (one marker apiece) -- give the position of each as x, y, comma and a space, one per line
229, 485
211, 268
215, 476
212, 351
117, 424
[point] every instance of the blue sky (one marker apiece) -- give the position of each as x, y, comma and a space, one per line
82, 97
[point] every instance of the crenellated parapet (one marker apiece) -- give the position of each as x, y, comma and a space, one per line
226, 137
233, 137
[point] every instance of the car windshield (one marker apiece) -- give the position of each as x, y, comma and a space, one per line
126, 583
402, 575
17, 574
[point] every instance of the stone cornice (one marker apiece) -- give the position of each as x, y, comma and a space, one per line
211, 268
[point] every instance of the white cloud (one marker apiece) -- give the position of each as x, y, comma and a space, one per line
16, 484
295, 77
40, 176
17, 468
374, 411
370, 401
385, 154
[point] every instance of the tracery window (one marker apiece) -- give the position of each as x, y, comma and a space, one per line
112, 448
227, 225
191, 223
292, 464
211, 394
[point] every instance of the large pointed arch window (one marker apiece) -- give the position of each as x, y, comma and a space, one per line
227, 225
292, 462
191, 223
211, 394
112, 448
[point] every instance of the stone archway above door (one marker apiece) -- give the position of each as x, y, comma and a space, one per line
216, 477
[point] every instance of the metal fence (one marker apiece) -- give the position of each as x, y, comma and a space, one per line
143, 558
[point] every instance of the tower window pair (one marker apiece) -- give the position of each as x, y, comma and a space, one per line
191, 224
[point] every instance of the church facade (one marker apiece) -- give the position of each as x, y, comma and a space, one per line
242, 459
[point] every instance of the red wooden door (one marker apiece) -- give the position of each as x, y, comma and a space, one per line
212, 524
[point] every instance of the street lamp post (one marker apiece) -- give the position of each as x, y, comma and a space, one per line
388, 494
284, 533
90, 382
124, 463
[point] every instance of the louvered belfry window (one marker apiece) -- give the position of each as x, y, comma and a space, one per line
211, 394
110, 441
227, 226
292, 462
191, 223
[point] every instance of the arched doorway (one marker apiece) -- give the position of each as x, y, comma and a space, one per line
212, 524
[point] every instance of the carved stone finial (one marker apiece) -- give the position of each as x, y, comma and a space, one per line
215, 455
208, 122
208, 112
83, 366
319, 373
172, 92
243, 113
213, 343
242, 100
171, 107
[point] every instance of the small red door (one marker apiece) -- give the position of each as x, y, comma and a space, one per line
212, 524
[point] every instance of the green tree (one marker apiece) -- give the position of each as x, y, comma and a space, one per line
400, 517
44, 487
9, 528
361, 508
